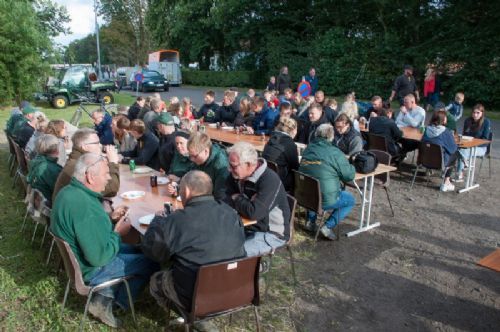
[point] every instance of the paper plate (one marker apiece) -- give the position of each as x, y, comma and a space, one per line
133, 194
163, 180
227, 128
467, 138
142, 170
146, 220
212, 125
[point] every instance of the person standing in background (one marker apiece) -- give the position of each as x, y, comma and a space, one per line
284, 80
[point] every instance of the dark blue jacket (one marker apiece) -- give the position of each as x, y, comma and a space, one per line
227, 114
104, 130
441, 136
145, 152
313, 82
482, 133
209, 112
264, 121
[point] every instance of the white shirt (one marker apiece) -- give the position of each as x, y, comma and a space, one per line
415, 117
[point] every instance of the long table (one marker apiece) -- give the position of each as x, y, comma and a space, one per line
367, 197
151, 202
231, 137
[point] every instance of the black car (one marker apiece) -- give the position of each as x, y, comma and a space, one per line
152, 81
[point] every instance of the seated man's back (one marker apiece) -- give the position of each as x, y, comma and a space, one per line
205, 231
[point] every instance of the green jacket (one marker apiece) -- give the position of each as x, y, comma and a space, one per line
43, 173
79, 219
14, 122
217, 167
329, 165
180, 165
451, 123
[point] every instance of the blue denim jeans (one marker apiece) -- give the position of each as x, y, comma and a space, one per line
262, 243
128, 262
341, 208
480, 151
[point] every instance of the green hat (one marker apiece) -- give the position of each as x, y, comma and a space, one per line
28, 110
166, 119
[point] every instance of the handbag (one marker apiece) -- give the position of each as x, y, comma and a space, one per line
364, 161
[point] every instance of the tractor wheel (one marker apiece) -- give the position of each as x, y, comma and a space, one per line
106, 98
60, 102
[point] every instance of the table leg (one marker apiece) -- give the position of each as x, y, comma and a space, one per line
469, 181
367, 197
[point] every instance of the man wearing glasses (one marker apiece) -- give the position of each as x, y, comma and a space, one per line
79, 219
211, 159
86, 140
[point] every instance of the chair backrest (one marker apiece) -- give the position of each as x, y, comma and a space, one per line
430, 156
272, 165
71, 266
307, 192
383, 158
488, 148
223, 286
292, 203
21, 160
11, 144
377, 142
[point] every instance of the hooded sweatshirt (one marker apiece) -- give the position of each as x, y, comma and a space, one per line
441, 136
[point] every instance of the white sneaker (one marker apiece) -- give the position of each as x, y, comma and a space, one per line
447, 187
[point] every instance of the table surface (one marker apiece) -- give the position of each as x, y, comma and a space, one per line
230, 137
381, 168
152, 201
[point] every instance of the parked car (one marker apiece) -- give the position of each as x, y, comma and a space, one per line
152, 81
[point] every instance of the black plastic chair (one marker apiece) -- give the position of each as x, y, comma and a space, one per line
487, 155
307, 192
377, 142
222, 289
430, 156
384, 178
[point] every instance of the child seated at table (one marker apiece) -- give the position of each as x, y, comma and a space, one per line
265, 117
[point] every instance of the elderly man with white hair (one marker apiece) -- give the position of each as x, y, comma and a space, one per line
79, 219
256, 192
328, 164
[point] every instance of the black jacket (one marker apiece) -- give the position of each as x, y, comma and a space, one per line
383, 126
349, 142
145, 152
282, 150
228, 114
246, 120
23, 134
209, 112
262, 197
166, 151
307, 133
204, 231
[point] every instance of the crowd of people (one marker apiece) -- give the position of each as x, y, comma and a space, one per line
77, 171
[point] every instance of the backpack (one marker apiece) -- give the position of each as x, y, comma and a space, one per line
364, 162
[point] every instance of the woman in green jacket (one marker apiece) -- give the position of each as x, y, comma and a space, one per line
328, 164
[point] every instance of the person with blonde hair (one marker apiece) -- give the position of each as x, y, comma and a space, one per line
58, 129
188, 110
281, 149
228, 110
123, 140
245, 116
350, 108
40, 127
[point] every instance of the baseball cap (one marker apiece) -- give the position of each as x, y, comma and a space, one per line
166, 119
29, 109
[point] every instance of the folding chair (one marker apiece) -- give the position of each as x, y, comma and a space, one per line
272, 165
12, 153
384, 178
307, 192
22, 165
37, 209
75, 279
292, 202
222, 289
487, 155
430, 156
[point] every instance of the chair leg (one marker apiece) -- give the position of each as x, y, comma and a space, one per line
267, 278
24, 221
230, 319
320, 224
480, 167
130, 301
44, 234
187, 327
292, 265
66, 292
82, 322
257, 321
389, 200
15, 180
50, 252
489, 166
414, 176
34, 233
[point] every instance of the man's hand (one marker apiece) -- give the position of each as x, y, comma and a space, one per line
403, 109
250, 130
119, 213
123, 225
173, 178
111, 154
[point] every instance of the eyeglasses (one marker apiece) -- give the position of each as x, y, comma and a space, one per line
231, 166
90, 143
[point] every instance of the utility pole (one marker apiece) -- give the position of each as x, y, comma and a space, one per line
99, 69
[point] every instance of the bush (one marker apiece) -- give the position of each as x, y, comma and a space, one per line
223, 78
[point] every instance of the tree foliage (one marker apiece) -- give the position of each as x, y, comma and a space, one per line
26, 29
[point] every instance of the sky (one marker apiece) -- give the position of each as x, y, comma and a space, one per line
82, 23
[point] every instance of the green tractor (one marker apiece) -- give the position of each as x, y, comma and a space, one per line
77, 83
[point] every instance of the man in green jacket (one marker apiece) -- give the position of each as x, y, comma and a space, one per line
211, 159
329, 165
79, 219
44, 169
